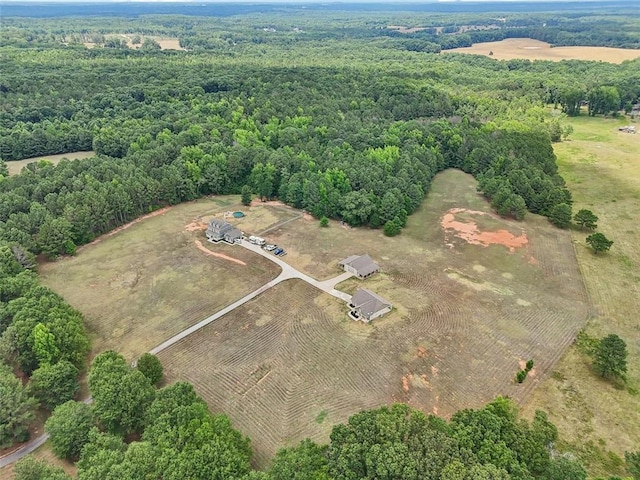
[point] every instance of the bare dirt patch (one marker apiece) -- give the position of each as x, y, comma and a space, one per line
16, 166
471, 233
527, 48
204, 249
402, 29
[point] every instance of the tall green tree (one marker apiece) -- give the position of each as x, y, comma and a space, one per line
30, 468
246, 195
17, 408
4, 170
44, 345
68, 428
610, 357
586, 219
263, 177
604, 100
306, 461
53, 385
566, 469
150, 367
571, 98
120, 394
560, 215
599, 243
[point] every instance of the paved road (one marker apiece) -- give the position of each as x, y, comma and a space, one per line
29, 447
288, 272
327, 286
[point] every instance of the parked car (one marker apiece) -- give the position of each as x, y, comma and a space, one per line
278, 251
270, 247
282, 253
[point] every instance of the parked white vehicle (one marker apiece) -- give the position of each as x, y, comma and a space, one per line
257, 240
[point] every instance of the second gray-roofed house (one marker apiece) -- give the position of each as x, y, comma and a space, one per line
220, 230
366, 305
362, 266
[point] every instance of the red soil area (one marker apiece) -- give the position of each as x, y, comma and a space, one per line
469, 231
195, 226
204, 249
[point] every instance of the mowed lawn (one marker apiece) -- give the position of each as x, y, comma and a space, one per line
468, 314
16, 166
142, 285
530, 49
602, 169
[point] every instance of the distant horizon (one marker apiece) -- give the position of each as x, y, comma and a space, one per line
300, 2
225, 8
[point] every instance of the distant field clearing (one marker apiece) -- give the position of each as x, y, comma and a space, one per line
536, 50
166, 43
17, 165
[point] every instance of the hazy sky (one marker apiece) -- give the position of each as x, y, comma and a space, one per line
297, 1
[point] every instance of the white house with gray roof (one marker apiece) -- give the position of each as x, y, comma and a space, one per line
361, 266
366, 305
218, 230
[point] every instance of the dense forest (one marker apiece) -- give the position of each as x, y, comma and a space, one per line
345, 119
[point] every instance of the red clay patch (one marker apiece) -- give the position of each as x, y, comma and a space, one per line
195, 226
204, 249
469, 231
406, 381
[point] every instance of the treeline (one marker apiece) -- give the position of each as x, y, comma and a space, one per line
42, 337
361, 149
460, 29
175, 436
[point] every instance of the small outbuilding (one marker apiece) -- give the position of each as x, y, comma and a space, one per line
366, 305
219, 230
362, 266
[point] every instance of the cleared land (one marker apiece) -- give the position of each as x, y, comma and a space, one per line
166, 43
145, 283
475, 296
15, 166
528, 48
602, 169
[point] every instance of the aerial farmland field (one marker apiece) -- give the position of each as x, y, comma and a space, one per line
141, 285
531, 49
475, 297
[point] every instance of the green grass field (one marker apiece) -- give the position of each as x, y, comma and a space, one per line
16, 166
598, 419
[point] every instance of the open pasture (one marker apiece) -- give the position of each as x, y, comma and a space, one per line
143, 284
530, 49
602, 168
15, 166
475, 297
